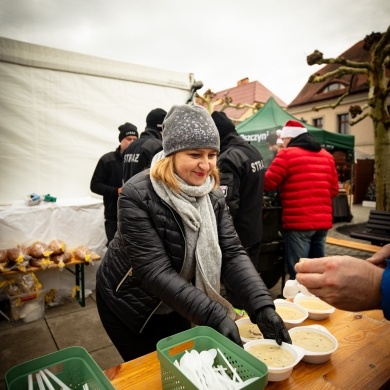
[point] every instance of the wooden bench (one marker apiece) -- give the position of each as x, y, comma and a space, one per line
361, 246
377, 229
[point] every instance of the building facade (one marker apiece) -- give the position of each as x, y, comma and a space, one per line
328, 93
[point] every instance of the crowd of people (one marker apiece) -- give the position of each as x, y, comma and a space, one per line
183, 218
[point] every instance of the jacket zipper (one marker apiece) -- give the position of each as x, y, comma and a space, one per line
185, 254
128, 273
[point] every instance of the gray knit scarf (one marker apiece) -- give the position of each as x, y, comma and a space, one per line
196, 211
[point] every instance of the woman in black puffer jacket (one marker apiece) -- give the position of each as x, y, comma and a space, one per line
175, 241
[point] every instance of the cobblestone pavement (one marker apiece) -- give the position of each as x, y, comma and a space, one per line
360, 214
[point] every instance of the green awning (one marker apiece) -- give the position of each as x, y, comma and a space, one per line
272, 117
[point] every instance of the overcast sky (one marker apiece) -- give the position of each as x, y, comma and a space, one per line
219, 41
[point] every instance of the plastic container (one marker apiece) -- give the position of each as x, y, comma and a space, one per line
314, 314
282, 306
276, 374
27, 307
73, 366
312, 356
248, 331
204, 338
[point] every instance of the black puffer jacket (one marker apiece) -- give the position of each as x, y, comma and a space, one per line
142, 264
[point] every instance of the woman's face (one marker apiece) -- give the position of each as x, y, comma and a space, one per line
195, 165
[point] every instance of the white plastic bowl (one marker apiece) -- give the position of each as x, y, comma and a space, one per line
311, 356
290, 323
247, 322
276, 374
301, 299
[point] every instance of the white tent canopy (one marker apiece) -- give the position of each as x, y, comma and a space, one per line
60, 112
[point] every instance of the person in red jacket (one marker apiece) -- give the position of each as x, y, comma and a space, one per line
306, 177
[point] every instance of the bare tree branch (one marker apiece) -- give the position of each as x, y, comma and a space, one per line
224, 102
353, 122
377, 71
339, 100
317, 58
380, 48
341, 71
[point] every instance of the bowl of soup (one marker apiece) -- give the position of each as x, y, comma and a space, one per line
248, 331
291, 313
317, 308
279, 359
316, 340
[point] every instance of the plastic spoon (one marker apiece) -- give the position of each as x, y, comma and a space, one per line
198, 366
57, 380
187, 368
232, 369
207, 365
46, 380
213, 353
41, 386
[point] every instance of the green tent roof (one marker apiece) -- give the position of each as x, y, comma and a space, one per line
272, 117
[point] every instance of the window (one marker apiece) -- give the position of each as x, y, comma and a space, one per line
318, 122
343, 123
333, 87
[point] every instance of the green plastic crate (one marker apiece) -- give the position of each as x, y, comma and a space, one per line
74, 366
204, 338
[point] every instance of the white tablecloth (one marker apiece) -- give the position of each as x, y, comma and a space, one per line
76, 221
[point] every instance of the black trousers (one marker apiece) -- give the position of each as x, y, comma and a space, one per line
132, 345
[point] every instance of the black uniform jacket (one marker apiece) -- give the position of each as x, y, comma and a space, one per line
139, 154
106, 180
242, 180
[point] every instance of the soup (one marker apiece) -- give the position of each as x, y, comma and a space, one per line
289, 313
312, 341
272, 355
249, 331
316, 304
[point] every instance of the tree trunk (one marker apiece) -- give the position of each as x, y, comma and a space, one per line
382, 157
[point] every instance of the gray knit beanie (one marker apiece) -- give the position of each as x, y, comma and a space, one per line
189, 127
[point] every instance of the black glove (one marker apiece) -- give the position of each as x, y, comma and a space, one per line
272, 326
228, 328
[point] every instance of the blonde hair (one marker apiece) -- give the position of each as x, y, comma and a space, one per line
164, 171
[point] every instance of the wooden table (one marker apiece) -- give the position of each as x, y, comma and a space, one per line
75, 221
362, 360
78, 274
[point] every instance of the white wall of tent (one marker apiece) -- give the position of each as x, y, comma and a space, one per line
60, 112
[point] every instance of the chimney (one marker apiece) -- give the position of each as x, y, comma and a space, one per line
243, 81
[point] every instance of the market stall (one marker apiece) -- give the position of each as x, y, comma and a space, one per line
272, 117
75, 221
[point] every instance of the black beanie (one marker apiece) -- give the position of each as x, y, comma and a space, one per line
126, 130
155, 118
223, 123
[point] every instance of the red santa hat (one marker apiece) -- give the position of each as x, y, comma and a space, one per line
292, 129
